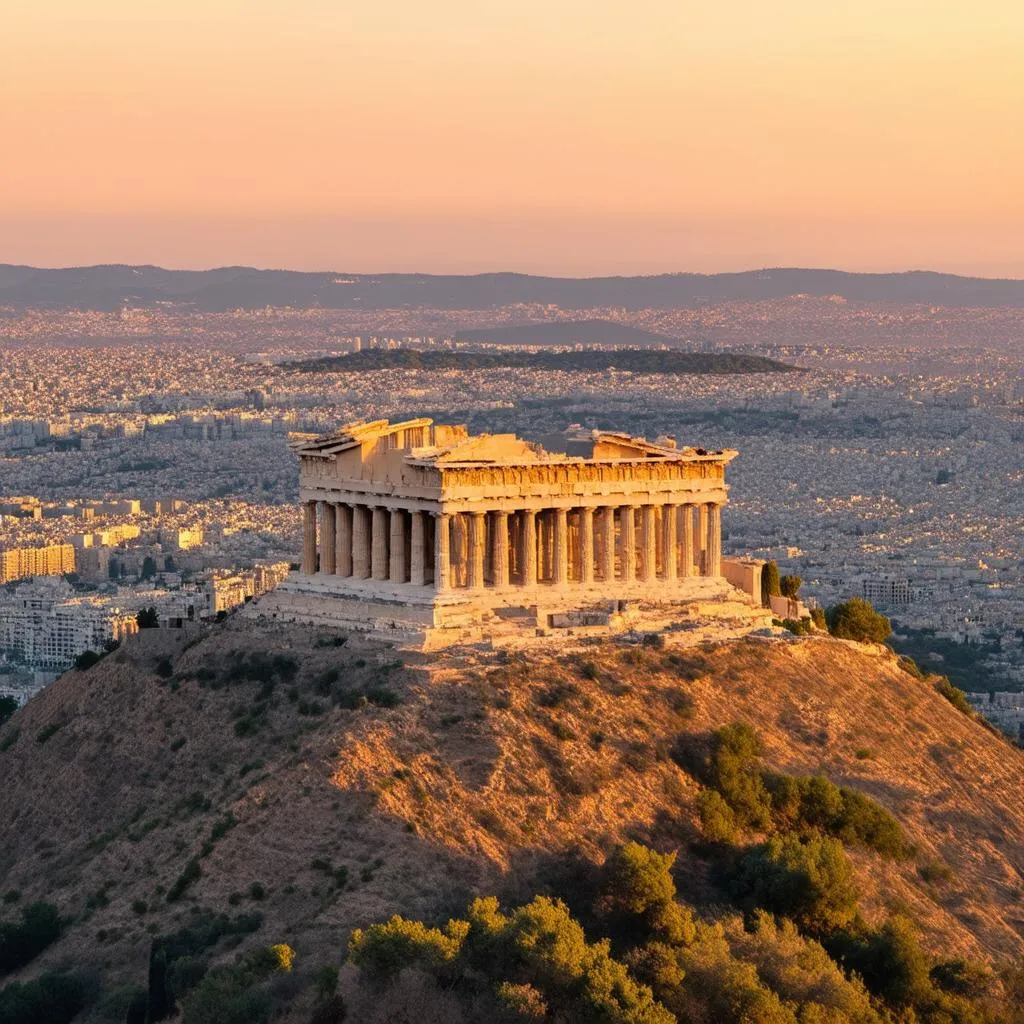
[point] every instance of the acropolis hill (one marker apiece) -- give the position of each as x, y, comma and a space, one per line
422, 529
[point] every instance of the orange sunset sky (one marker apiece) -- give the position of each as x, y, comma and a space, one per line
553, 136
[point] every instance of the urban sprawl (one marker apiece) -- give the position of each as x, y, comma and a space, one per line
144, 459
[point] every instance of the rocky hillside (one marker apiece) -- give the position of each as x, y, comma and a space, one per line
325, 783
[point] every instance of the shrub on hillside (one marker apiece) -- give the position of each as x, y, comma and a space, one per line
227, 995
716, 817
8, 705
743, 794
816, 803
86, 660
789, 586
808, 880
857, 620
638, 896
40, 926
955, 696
52, 998
734, 769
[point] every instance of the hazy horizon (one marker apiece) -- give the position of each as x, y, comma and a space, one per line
564, 138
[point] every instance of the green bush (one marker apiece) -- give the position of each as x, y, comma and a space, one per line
226, 995
955, 696
771, 801
40, 926
813, 802
716, 817
808, 880
857, 620
86, 660
734, 770
385, 949
52, 998
191, 874
48, 731
638, 895
910, 666
8, 705
789, 586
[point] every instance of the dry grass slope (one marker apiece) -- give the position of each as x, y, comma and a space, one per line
491, 771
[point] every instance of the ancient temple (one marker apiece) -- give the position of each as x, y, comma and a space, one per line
422, 524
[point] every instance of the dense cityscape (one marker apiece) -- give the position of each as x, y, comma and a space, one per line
155, 461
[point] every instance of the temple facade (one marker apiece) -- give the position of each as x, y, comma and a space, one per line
423, 524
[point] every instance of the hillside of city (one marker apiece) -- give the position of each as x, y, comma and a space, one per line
243, 821
145, 467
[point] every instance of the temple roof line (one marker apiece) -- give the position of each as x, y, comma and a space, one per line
444, 446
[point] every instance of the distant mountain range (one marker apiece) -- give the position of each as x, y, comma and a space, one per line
109, 287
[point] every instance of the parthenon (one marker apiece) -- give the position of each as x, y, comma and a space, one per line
424, 524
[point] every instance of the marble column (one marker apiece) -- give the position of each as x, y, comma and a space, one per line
714, 544
607, 527
560, 570
309, 537
586, 546
627, 543
442, 552
669, 549
477, 534
418, 553
648, 544
360, 542
396, 567
686, 540
379, 544
328, 534
460, 550
343, 542
529, 549
702, 539
499, 548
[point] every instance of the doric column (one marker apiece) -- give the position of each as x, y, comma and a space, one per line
529, 550
360, 542
328, 537
499, 548
476, 550
669, 552
379, 544
396, 568
607, 528
418, 553
442, 551
702, 539
686, 539
627, 541
586, 546
343, 544
648, 544
560, 571
309, 537
714, 544
459, 550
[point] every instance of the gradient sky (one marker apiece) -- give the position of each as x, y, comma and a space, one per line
557, 136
